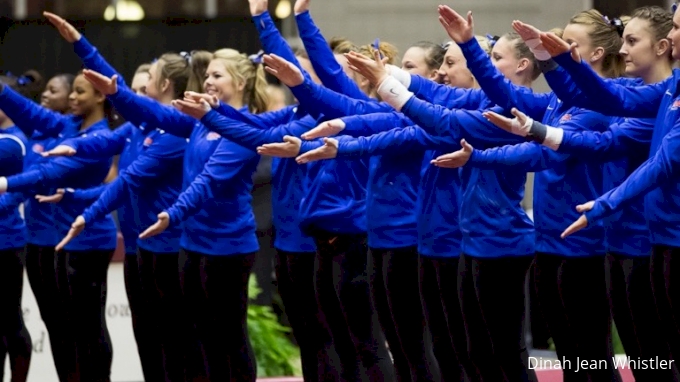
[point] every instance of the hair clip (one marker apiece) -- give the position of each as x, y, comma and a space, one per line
376, 46
155, 60
674, 7
492, 39
447, 45
186, 56
256, 58
24, 80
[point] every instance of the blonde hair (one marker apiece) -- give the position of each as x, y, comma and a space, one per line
185, 70
143, 68
341, 45
386, 50
247, 73
607, 34
485, 43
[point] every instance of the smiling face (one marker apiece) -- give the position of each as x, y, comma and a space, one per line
56, 95
454, 70
220, 83
84, 99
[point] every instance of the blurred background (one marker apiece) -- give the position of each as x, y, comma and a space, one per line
131, 32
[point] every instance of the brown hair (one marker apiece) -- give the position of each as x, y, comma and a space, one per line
522, 51
30, 84
434, 53
185, 70
605, 33
249, 73
659, 22
143, 68
341, 45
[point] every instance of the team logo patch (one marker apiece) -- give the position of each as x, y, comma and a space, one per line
213, 136
38, 148
565, 118
148, 141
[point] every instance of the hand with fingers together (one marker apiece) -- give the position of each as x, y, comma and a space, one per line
158, 227
258, 7
581, 222
289, 74
76, 228
195, 109
532, 37
55, 198
289, 148
59, 151
301, 6
554, 45
212, 100
520, 125
455, 159
459, 28
329, 150
372, 68
325, 129
101, 83
66, 30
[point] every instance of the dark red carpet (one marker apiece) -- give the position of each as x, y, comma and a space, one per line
543, 376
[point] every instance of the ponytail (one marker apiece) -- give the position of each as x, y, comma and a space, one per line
249, 72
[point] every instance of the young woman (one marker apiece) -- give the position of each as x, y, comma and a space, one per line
569, 283
16, 341
647, 54
145, 153
218, 242
439, 186
640, 101
41, 232
86, 259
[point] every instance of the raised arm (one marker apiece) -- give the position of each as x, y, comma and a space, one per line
498, 88
24, 112
144, 110
610, 98
333, 104
323, 60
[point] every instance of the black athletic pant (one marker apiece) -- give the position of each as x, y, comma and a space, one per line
439, 292
348, 314
631, 299
492, 299
46, 270
143, 325
394, 282
295, 277
665, 270
15, 337
168, 324
215, 288
573, 297
85, 295
538, 329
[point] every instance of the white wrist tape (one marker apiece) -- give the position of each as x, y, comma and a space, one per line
537, 49
401, 75
553, 137
3, 184
394, 93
